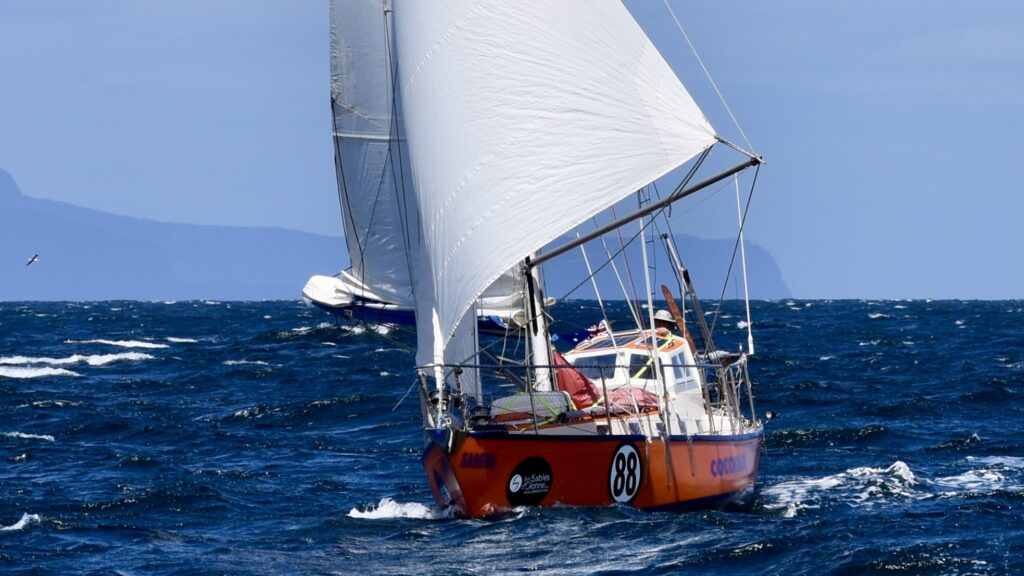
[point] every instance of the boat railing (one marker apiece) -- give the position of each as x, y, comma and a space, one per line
723, 387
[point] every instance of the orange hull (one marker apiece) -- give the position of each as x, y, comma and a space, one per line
485, 473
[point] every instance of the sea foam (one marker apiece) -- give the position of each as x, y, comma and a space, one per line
92, 360
25, 436
244, 362
121, 343
855, 486
388, 508
34, 372
26, 520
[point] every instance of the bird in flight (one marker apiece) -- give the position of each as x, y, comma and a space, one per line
32, 260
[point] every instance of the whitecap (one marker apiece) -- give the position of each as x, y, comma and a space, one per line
742, 324
92, 360
877, 315
181, 340
971, 481
959, 322
385, 373
388, 508
857, 486
243, 362
1005, 461
328, 344
826, 357
33, 372
249, 412
25, 436
26, 520
121, 343
51, 404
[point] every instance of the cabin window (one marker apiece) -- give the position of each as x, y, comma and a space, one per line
641, 366
679, 371
594, 366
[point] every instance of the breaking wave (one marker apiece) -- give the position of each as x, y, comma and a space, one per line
121, 343
92, 360
388, 508
26, 521
23, 435
33, 372
866, 486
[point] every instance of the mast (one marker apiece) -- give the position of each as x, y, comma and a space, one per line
537, 332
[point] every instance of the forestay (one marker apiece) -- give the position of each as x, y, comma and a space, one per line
524, 119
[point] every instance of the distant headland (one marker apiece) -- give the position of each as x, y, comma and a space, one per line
87, 254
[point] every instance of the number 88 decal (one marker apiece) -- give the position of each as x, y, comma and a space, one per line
626, 474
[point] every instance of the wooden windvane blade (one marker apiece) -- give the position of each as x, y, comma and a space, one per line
678, 316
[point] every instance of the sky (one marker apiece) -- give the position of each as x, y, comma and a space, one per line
893, 131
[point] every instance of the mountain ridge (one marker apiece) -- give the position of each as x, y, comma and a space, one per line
89, 254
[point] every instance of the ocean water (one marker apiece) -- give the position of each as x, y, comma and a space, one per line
262, 438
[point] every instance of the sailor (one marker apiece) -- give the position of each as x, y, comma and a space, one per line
663, 321
664, 324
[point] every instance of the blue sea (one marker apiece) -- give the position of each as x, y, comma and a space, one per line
264, 438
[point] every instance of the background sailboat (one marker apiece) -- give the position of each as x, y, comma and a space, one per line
375, 186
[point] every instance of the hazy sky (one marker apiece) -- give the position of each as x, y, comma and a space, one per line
893, 131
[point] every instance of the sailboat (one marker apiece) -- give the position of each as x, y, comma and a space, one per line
522, 122
375, 185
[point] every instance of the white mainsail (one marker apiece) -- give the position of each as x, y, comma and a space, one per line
373, 178
524, 119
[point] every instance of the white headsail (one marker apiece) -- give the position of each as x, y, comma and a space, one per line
373, 179
524, 119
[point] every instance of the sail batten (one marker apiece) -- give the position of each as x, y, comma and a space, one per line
523, 120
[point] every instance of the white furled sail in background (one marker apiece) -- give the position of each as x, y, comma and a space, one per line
524, 119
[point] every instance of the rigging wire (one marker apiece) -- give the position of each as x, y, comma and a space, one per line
339, 167
400, 190
708, 74
629, 272
610, 258
735, 247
